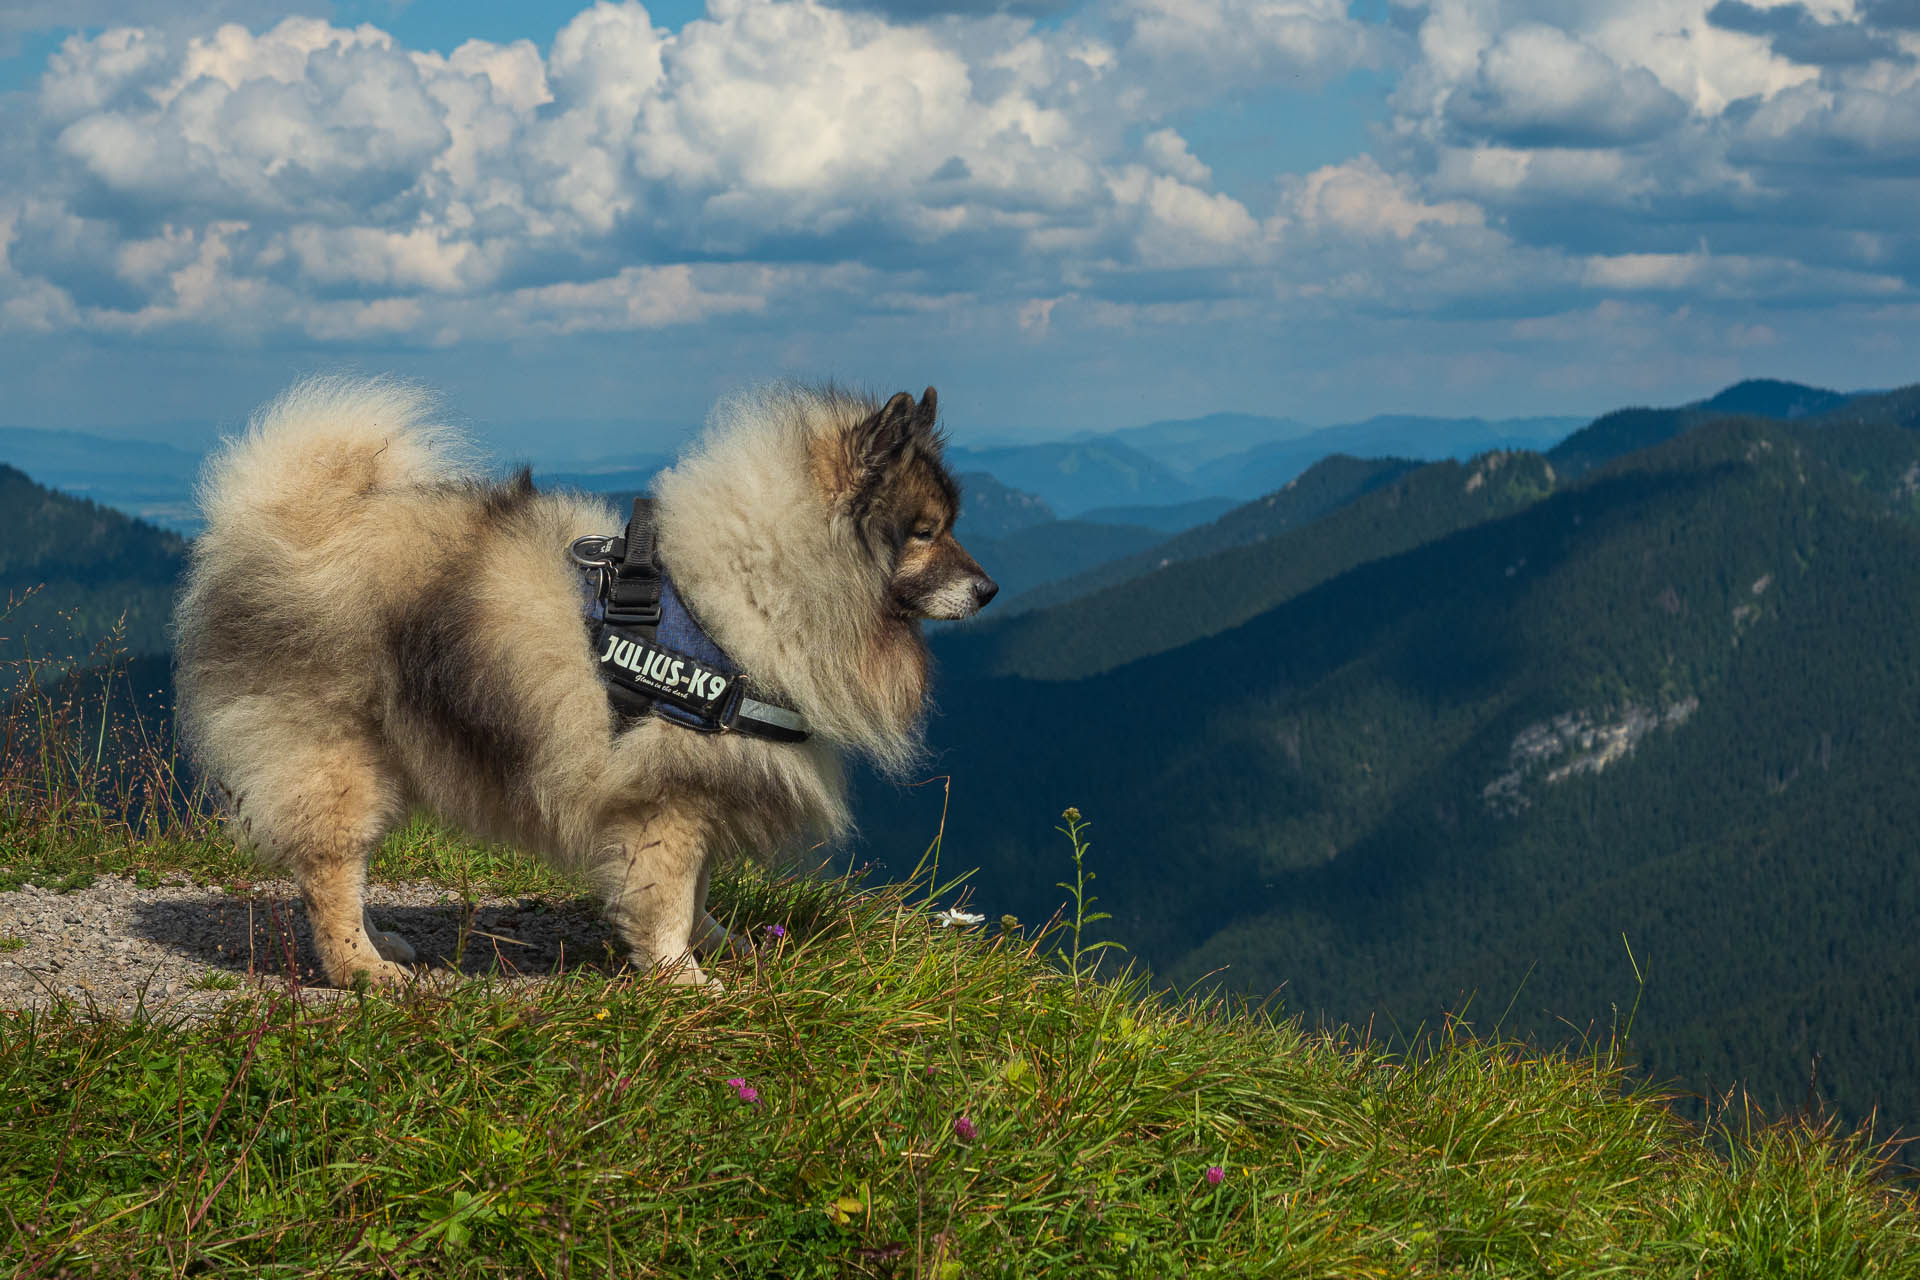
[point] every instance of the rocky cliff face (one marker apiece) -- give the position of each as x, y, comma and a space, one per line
1576, 742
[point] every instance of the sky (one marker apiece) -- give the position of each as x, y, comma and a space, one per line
583, 224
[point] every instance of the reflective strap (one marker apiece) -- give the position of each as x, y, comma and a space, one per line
754, 713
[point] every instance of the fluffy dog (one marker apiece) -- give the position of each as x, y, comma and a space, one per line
369, 627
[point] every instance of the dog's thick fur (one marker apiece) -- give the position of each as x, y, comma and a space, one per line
369, 628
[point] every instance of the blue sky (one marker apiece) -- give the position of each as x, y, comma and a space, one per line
585, 222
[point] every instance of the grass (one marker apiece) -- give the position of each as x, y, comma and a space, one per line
600, 1126
873, 1095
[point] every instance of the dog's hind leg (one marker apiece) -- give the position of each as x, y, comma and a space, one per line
651, 870
319, 809
335, 888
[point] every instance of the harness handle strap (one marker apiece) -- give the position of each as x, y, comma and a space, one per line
633, 592
640, 558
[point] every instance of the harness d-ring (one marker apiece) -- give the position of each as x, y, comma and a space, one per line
594, 551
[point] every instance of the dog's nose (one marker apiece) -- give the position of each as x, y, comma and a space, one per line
984, 589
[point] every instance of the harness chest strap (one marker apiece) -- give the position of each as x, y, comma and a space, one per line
654, 657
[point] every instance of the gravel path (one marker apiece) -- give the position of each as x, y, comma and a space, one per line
180, 950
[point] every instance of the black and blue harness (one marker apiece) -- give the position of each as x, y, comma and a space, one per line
653, 655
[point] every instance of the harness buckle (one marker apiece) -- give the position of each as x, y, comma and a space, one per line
630, 600
632, 615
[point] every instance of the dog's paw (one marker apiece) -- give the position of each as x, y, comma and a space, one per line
384, 975
688, 973
729, 946
711, 939
392, 946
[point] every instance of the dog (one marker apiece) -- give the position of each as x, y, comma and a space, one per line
369, 626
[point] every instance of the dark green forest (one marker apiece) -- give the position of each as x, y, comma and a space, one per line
1322, 488
1190, 599
75, 575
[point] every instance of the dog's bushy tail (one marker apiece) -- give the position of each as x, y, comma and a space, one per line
323, 442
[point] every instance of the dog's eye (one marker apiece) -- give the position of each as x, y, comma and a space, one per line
924, 532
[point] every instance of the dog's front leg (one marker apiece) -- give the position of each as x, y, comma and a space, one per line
651, 870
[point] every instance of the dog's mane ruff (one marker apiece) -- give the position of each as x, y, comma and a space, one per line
784, 580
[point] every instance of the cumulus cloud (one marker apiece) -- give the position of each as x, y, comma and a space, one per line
307, 121
912, 10
1538, 86
185, 177
1212, 40
1813, 127
924, 157
1359, 198
1796, 34
1642, 127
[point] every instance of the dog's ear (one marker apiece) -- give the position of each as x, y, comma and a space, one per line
926, 418
882, 439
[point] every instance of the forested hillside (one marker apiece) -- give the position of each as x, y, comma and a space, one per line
1265, 467
1077, 476
1188, 600
989, 509
1463, 754
1324, 487
74, 571
1027, 559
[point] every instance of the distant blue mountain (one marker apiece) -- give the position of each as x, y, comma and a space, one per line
1771, 398
989, 509
1168, 475
1076, 476
141, 477
1172, 518
1186, 443
1266, 467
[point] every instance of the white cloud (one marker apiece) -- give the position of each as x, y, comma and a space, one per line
1846, 128
1646, 270
635, 298
418, 259
87, 75
304, 120
1539, 86
1734, 276
1220, 42
318, 183
1636, 128
1361, 199
307, 161
1168, 152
